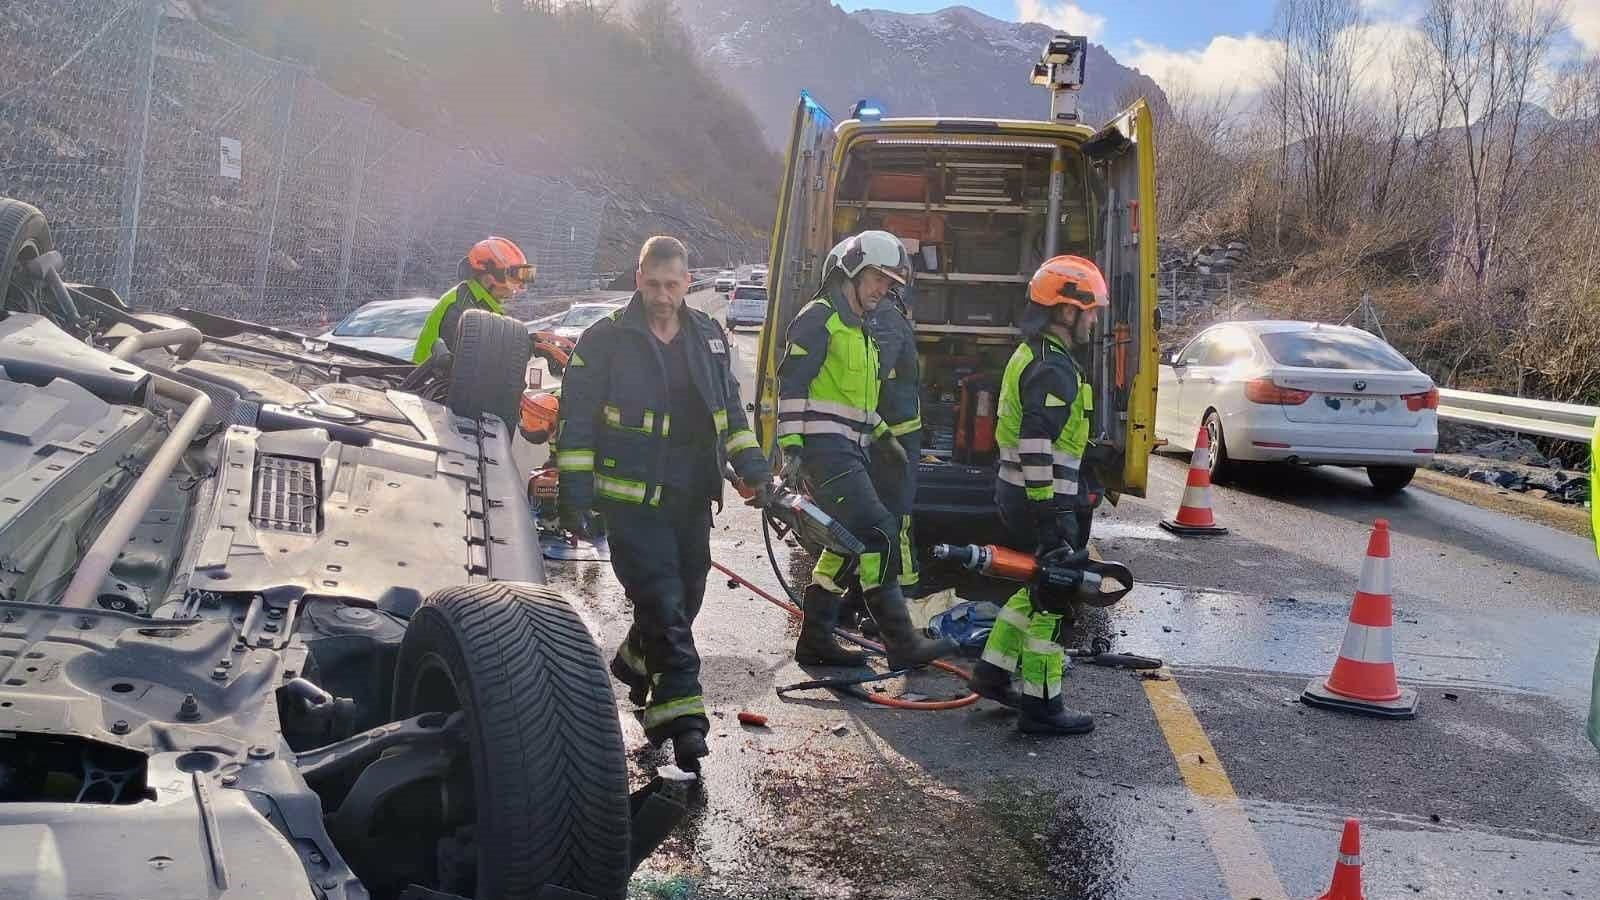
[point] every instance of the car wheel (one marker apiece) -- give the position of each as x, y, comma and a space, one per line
1389, 480
547, 765
1223, 469
24, 235
489, 366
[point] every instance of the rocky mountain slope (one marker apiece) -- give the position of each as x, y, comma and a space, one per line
953, 62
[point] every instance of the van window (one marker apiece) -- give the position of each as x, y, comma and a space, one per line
750, 293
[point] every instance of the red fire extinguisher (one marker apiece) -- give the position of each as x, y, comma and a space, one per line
976, 420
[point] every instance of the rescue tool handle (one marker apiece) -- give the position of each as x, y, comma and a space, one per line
1093, 582
791, 511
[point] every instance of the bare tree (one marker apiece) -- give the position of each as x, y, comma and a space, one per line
1487, 55
1195, 173
1318, 101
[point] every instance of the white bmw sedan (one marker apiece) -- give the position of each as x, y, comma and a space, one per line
1299, 392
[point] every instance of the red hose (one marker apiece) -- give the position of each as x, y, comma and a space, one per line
879, 699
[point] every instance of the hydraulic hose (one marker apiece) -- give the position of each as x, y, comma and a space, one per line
792, 608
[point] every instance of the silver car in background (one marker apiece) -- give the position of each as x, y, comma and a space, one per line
389, 327
1299, 392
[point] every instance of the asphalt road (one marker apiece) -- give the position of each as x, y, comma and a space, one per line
1213, 781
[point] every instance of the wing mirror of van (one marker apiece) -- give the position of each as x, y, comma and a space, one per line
1170, 357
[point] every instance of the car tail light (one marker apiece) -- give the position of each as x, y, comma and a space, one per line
1262, 390
1420, 402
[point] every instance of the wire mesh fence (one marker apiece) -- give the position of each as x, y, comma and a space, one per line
182, 169
1182, 295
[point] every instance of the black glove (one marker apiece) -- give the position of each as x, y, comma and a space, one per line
888, 451
1047, 528
581, 522
1060, 573
761, 492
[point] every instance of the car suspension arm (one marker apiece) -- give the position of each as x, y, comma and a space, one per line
86, 582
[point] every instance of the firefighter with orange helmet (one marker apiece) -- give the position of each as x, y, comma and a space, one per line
1042, 432
494, 270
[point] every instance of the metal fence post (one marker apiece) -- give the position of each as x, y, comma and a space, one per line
264, 255
138, 132
358, 168
412, 202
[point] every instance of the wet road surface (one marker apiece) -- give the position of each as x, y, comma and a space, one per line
1212, 781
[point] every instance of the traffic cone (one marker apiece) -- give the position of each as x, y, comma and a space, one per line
1194, 510
1363, 679
1347, 869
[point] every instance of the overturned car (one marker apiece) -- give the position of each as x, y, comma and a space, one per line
272, 622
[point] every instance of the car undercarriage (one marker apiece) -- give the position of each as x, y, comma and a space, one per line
272, 621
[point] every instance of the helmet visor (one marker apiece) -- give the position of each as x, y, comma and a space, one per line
520, 275
892, 273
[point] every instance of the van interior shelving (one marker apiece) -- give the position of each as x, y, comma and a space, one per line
972, 214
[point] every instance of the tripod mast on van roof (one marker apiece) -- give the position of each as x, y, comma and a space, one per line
1060, 68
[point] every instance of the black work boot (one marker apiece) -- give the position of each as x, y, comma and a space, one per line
1039, 716
994, 683
816, 646
688, 747
907, 647
638, 685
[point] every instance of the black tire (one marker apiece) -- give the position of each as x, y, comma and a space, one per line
1390, 480
489, 367
1223, 469
24, 234
548, 765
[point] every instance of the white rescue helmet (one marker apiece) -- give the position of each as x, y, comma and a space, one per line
876, 249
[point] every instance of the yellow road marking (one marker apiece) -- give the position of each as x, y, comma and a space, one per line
1243, 859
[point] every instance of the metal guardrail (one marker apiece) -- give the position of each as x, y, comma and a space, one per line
1567, 421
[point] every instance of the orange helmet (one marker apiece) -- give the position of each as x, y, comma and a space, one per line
501, 259
1069, 281
540, 410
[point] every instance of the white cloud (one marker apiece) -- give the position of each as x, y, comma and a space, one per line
1065, 16
1584, 19
1241, 66
1227, 66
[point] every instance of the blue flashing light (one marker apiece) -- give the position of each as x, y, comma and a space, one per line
866, 110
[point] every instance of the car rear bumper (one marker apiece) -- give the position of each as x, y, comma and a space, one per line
1336, 445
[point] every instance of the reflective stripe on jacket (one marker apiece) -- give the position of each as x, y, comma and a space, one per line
1044, 421
828, 383
611, 440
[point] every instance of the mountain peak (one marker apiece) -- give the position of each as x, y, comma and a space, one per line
956, 61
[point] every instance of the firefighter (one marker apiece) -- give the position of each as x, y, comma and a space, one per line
828, 417
894, 475
495, 269
1042, 432
649, 413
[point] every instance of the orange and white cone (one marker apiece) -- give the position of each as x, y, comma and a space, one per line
1347, 870
1194, 510
1363, 679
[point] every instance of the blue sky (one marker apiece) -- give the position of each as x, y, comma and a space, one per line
1175, 24
1205, 47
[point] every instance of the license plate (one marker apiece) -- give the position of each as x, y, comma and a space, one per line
1354, 403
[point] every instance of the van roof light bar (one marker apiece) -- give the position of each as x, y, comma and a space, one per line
979, 143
